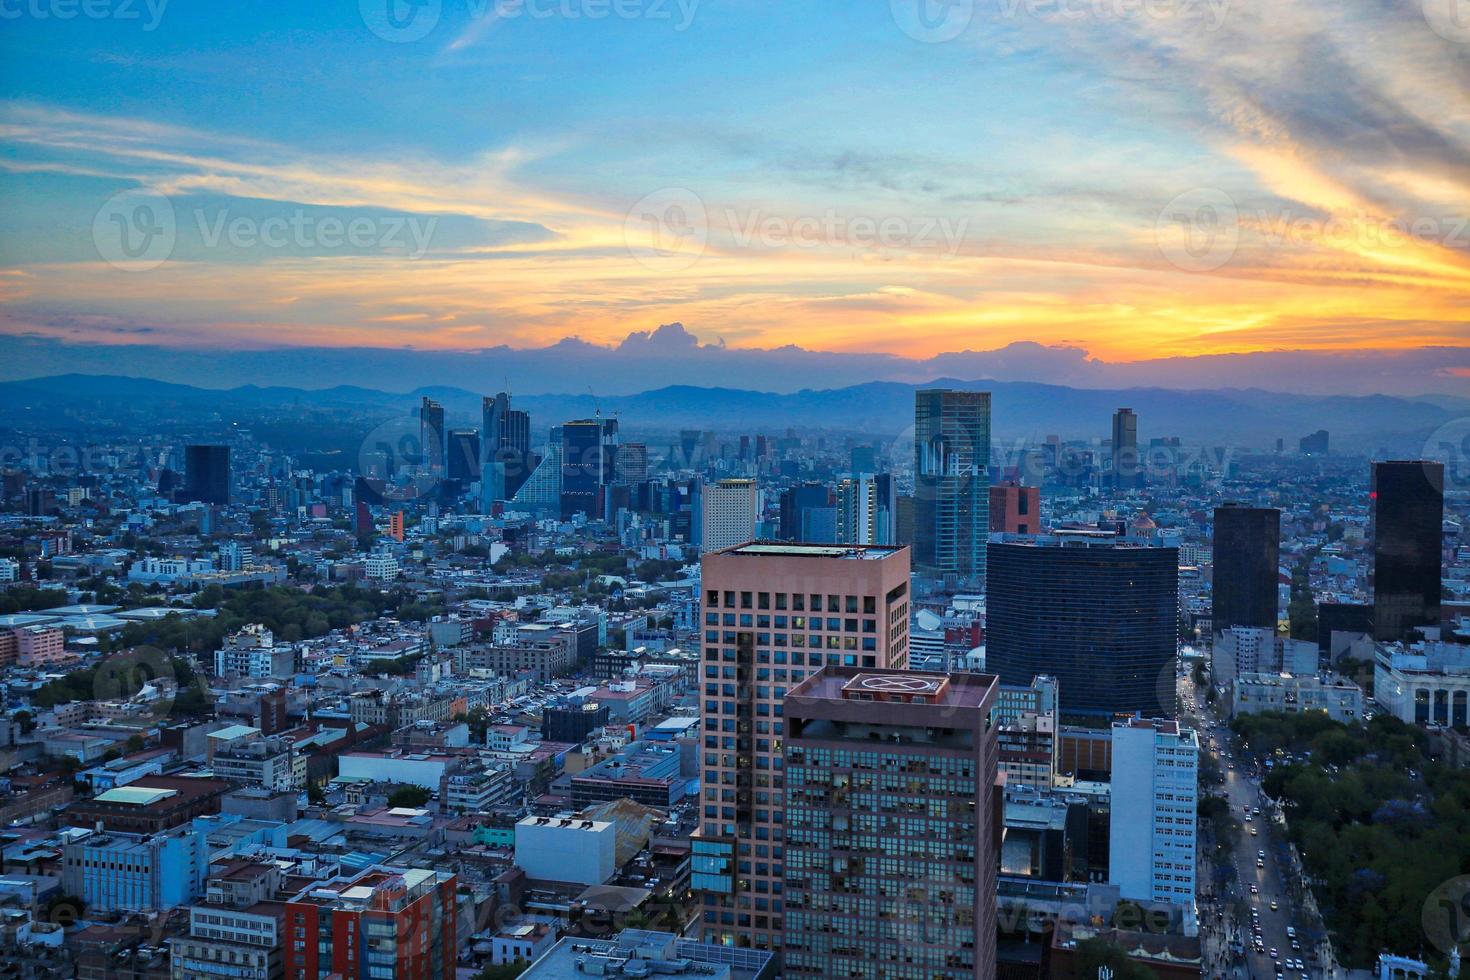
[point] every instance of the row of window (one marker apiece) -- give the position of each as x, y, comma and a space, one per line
796, 602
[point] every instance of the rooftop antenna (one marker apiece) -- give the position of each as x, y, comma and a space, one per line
596, 408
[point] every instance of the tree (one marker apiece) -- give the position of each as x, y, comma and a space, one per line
506, 971
410, 797
1094, 954
315, 795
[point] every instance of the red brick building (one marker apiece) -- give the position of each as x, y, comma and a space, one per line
386, 923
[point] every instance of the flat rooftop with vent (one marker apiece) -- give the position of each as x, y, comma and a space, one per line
640, 953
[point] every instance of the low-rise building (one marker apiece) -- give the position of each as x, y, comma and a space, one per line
115, 872
1424, 683
567, 849
1251, 693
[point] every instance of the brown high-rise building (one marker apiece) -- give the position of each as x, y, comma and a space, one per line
892, 825
1015, 509
774, 614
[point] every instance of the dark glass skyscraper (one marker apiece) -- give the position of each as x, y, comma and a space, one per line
464, 455
1100, 615
589, 455
1408, 521
431, 434
206, 475
951, 481
505, 439
1127, 471
796, 500
1247, 556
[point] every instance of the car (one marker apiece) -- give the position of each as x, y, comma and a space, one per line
1255, 890
1256, 811
1260, 863
1248, 820
1260, 854
1273, 952
1255, 833
1273, 906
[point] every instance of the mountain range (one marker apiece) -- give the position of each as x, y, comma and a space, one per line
646, 359
1247, 417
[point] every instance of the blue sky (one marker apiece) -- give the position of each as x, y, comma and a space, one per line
1136, 178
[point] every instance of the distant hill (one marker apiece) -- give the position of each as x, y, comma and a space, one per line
1249, 417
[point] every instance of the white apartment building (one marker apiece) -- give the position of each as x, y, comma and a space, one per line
381, 567
1154, 801
730, 513
1258, 650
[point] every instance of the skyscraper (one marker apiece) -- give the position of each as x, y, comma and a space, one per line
492, 424
431, 434
464, 455
795, 501
1408, 522
865, 510
632, 462
774, 614
951, 481
730, 514
206, 475
1126, 464
890, 844
1247, 554
1155, 791
1315, 444
1100, 615
589, 455
1015, 509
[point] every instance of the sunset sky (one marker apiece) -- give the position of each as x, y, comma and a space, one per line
1136, 179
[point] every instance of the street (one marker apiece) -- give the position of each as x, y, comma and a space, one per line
1263, 928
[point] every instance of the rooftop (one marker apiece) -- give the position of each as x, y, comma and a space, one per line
136, 795
857, 552
633, 951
